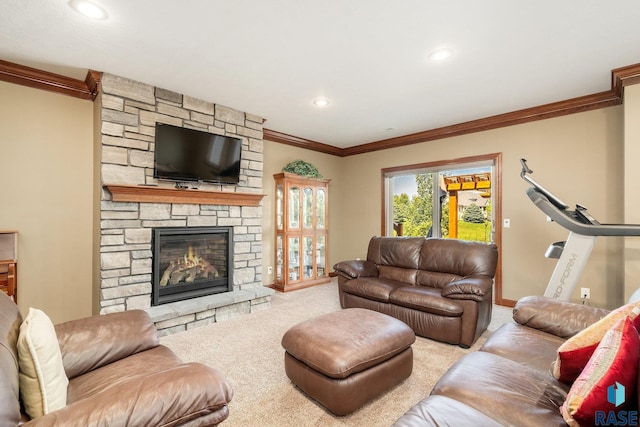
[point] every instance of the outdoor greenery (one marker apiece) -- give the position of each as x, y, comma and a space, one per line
415, 214
475, 232
473, 213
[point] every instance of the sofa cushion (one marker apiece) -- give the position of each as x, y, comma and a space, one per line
121, 372
398, 274
504, 390
614, 363
427, 299
441, 411
560, 318
43, 382
435, 279
460, 257
373, 288
401, 252
574, 354
189, 394
113, 336
535, 349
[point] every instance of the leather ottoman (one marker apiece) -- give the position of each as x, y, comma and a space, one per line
346, 358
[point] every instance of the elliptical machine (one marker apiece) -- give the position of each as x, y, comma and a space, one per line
583, 229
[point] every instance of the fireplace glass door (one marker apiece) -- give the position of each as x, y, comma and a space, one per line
191, 262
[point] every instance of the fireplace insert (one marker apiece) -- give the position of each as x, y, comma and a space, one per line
190, 262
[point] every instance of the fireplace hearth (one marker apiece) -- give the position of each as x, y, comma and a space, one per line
190, 262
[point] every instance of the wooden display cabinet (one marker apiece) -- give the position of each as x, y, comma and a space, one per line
9, 263
302, 232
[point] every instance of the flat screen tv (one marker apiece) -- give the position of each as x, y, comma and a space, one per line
183, 154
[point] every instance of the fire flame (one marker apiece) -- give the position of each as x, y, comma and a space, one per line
191, 258
188, 268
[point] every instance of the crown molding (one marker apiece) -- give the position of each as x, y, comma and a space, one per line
620, 78
547, 111
624, 76
39, 79
283, 138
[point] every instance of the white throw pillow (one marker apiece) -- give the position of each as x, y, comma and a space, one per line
43, 382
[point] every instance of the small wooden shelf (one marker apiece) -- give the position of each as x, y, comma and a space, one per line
152, 194
9, 263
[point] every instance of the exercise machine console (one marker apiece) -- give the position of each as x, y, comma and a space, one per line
583, 230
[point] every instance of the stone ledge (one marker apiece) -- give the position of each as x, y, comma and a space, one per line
173, 310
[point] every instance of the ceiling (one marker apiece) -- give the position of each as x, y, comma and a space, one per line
368, 58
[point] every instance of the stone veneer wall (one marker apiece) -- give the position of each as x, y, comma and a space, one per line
129, 113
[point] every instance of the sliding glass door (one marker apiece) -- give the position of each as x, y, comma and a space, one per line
449, 200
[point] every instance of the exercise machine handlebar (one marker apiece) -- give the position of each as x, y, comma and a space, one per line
578, 221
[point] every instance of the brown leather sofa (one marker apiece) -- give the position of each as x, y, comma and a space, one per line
508, 382
441, 288
118, 374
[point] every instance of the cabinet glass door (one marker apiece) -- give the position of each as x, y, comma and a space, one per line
279, 259
321, 207
320, 256
294, 207
307, 208
307, 267
294, 258
279, 212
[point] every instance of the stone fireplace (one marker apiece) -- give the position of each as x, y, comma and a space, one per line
190, 262
129, 111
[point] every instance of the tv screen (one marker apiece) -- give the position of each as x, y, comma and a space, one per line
183, 154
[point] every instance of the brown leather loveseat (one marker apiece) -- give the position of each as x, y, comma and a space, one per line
118, 375
508, 382
441, 288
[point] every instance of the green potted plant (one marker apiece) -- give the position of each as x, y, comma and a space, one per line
300, 167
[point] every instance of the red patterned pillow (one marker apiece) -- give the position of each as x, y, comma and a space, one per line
575, 352
608, 380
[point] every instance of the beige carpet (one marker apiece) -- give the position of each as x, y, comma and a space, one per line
247, 350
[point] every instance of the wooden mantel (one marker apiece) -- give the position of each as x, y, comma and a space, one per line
153, 194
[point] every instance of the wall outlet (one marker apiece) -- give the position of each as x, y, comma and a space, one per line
270, 270
507, 223
585, 293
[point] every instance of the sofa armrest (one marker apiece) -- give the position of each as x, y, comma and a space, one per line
559, 318
356, 268
165, 398
89, 343
474, 288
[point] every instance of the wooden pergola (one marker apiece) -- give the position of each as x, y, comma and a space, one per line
453, 184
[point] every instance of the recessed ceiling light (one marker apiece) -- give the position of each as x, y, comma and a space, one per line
88, 9
321, 102
440, 54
